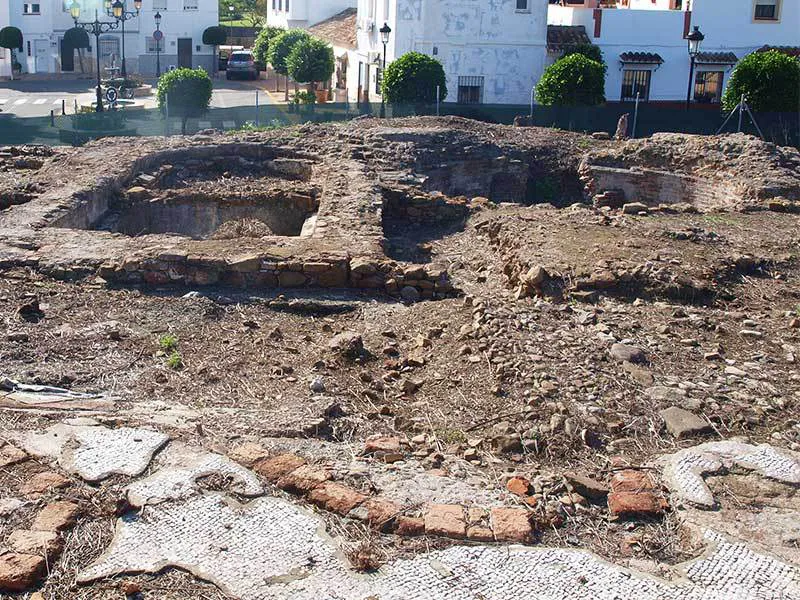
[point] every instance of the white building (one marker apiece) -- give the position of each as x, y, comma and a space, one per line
302, 14
492, 52
5, 55
43, 23
646, 50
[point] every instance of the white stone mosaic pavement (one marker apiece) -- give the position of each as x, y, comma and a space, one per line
270, 549
94, 452
684, 470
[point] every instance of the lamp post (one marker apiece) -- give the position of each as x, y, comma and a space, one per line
385, 31
695, 38
117, 10
157, 36
95, 27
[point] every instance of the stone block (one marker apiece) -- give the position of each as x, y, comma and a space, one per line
291, 279
316, 267
19, 572
43, 482
245, 264
512, 525
335, 277
684, 424
40, 543
336, 497
10, 455
587, 487
446, 520
56, 516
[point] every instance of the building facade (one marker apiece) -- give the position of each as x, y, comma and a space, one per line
44, 22
492, 52
302, 14
647, 51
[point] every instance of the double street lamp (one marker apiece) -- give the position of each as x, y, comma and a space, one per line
157, 37
118, 10
96, 28
385, 31
694, 39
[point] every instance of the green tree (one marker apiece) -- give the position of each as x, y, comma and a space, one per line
11, 38
263, 43
769, 81
588, 50
252, 11
282, 46
215, 36
572, 80
310, 61
185, 93
412, 79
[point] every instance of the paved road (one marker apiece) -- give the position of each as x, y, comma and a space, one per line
38, 98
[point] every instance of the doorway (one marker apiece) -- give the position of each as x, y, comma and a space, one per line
185, 52
67, 57
41, 50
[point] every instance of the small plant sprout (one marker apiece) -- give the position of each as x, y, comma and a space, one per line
175, 362
168, 342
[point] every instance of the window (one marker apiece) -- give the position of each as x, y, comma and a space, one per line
159, 4
31, 9
109, 49
708, 87
287, 5
634, 81
470, 90
766, 10
154, 46
189, 4
522, 5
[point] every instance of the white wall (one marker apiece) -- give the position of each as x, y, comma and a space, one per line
729, 25
5, 55
488, 39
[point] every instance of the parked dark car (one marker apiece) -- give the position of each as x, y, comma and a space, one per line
242, 64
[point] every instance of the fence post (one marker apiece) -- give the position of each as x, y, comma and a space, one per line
75, 100
741, 112
635, 116
166, 114
63, 107
533, 92
256, 108
438, 92
52, 118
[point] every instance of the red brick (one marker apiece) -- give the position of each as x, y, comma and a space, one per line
518, 486
275, 467
303, 479
446, 520
56, 516
43, 482
35, 542
10, 455
645, 503
477, 533
336, 497
249, 454
632, 480
381, 513
512, 525
18, 572
409, 526
382, 444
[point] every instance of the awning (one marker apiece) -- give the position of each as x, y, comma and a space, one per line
716, 58
641, 58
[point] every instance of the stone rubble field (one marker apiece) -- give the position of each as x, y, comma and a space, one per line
422, 358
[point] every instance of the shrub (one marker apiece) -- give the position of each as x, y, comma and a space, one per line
413, 78
572, 80
588, 50
770, 81
282, 46
310, 61
264, 42
189, 92
215, 36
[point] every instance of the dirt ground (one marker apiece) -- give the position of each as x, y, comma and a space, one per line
499, 380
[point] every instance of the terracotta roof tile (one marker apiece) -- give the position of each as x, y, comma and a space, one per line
717, 58
339, 30
641, 58
559, 36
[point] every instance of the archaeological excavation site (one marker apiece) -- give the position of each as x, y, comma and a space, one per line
420, 358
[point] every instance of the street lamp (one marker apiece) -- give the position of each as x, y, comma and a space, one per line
95, 27
385, 31
157, 36
695, 38
117, 10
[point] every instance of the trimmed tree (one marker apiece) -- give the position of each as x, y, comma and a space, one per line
412, 79
263, 43
588, 50
571, 81
185, 93
11, 38
769, 81
280, 49
311, 61
215, 36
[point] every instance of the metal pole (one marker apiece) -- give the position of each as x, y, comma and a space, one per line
383, 98
691, 77
635, 116
52, 118
63, 107
158, 53
256, 108
741, 112
98, 89
123, 71
533, 96
438, 94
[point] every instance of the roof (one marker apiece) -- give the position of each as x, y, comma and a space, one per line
788, 50
717, 58
649, 58
339, 30
559, 36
